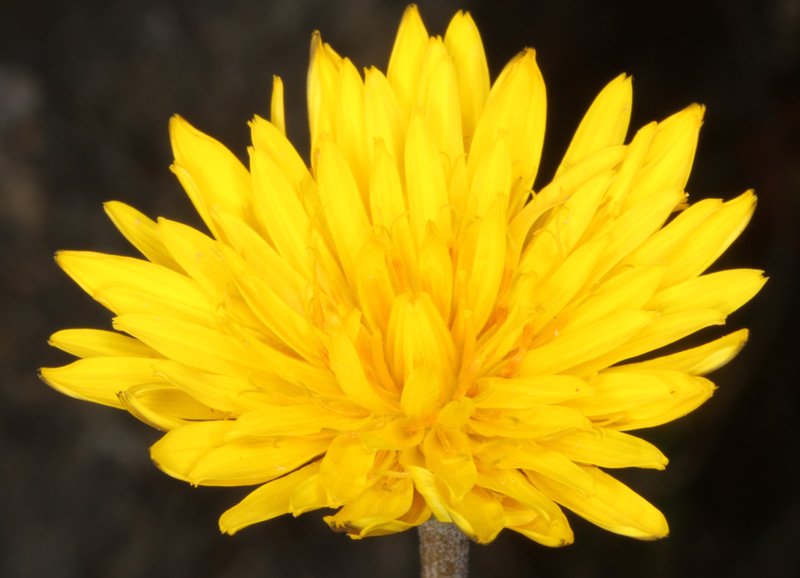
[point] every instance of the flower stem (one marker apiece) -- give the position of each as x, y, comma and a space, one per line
444, 550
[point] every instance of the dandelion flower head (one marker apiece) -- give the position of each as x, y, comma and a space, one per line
406, 328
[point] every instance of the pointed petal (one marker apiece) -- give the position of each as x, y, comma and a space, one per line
99, 343
426, 186
245, 463
570, 348
376, 510
345, 468
407, 55
516, 108
128, 285
525, 391
177, 452
100, 379
463, 42
141, 232
614, 506
479, 515
212, 176
276, 109
698, 360
605, 123
607, 448
293, 420
343, 206
723, 291
266, 502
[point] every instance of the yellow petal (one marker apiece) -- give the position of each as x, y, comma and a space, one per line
631, 398
269, 139
349, 123
564, 284
630, 288
345, 469
481, 261
165, 407
382, 117
428, 487
614, 506
670, 155
309, 494
537, 529
723, 291
407, 54
699, 360
607, 448
605, 123
343, 206
177, 452
293, 420
389, 212
353, 380
514, 484
421, 394
426, 185
197, 254
710, 239
436, 271
695, 238
212, 176
323, 76
526, 216
397, 434
524, 391
448, 456
100, 379
99, 343
419, 338
245, 463
688, 393
548, 463
276, 109
571, 348
280, 211
463, 42
193, 345
264, 260
492, 178
127, 285
375, 511
292, 328
267, 502
516, 108
141, 232
374, 283
225, 392
439, 102
528, 424
662, 331
638, 224
479, 515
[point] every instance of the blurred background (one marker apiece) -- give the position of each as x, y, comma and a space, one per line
86, 90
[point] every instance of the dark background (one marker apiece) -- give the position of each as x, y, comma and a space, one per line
86, 89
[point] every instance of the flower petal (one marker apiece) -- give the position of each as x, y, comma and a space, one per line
605, 123
614, 506
100, 379
266, 502
99, 343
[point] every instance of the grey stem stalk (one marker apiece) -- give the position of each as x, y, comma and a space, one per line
444, 550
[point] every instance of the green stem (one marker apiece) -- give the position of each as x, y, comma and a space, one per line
444, 550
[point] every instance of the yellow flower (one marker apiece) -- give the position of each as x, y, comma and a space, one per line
406, 329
